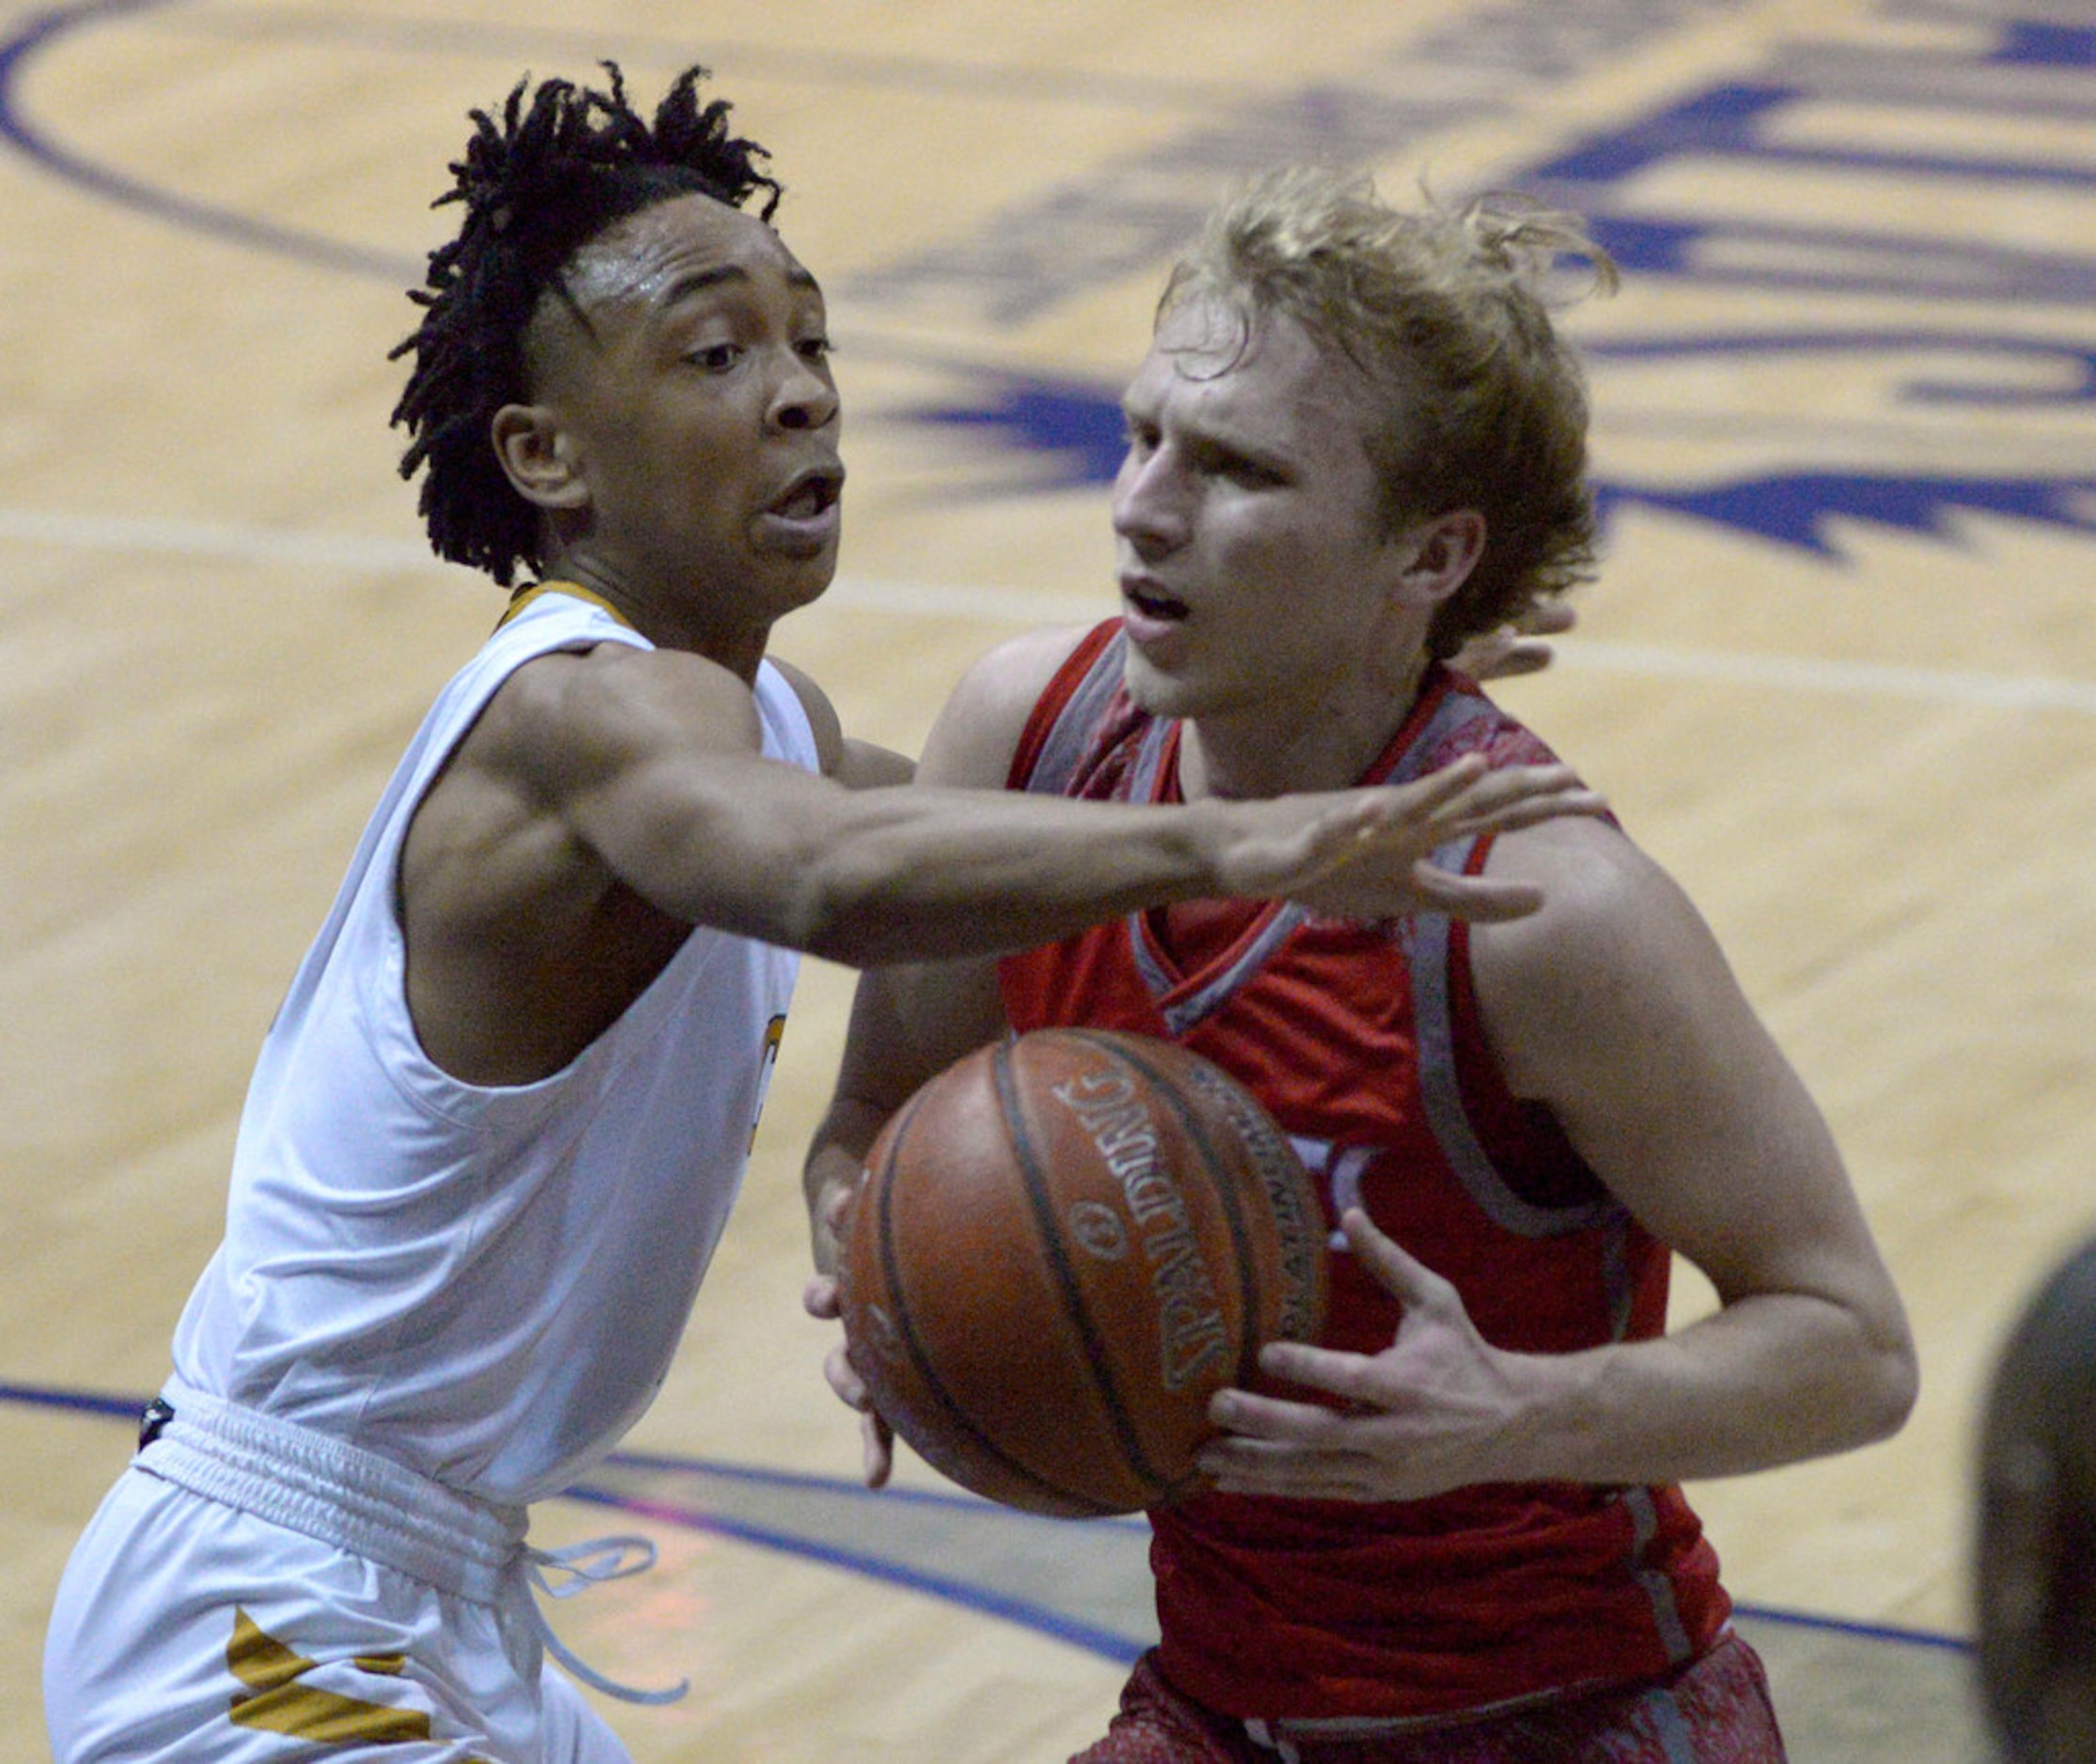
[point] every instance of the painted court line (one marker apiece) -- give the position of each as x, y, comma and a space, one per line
347, 553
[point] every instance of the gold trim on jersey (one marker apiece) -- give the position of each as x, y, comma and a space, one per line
524, 597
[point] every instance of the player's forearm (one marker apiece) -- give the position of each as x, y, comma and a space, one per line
865, 877
1770, 1380
954, 874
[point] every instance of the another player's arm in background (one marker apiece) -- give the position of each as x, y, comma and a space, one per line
1521, 648
855, 763
911, 1021
1614, 1007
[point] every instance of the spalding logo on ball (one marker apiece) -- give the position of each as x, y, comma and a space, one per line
1061, 1247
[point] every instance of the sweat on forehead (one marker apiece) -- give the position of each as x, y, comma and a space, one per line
688, 241
652, 261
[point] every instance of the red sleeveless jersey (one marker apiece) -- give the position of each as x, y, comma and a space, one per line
1364, 1043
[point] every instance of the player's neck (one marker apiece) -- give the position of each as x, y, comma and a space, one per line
669, 621
1325, 746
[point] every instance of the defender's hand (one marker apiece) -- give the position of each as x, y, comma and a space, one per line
1369, 861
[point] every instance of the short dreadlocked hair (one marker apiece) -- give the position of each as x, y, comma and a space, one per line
563, 163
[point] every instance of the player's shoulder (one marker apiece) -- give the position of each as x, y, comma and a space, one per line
1021, 667
978, 730
1610, 910
573, 706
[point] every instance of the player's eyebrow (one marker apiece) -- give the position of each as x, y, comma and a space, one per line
694, 281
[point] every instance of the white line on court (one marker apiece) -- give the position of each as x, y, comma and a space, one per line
344, 553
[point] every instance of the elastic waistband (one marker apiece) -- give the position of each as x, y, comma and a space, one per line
336, 1492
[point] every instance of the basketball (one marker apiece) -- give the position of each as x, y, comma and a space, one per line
1061, 1247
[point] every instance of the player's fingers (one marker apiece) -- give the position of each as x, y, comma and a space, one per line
1410, 1280
1246, 1414
1310, 1367
837, 1208
1513, 790
819, 1299
1520, 656
1386, 812
876, 1449
1404, 816
1325, 1477
1523, 810
1405, 803
1476, 898
843, 1377
1548, 618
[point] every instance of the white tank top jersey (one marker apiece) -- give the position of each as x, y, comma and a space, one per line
483, 1284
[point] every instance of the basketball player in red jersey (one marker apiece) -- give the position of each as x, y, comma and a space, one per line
1356, 444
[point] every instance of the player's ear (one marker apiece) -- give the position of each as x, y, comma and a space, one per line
539, 456
1438, 554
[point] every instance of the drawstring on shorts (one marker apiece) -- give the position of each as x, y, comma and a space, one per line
586, 1565
358, 1500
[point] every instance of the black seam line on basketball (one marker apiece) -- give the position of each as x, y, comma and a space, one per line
927, 1371
1233, 1206
1051, 1243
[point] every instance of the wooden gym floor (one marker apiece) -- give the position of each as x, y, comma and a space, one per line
1840, 674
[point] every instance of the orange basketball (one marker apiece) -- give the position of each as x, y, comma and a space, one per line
1061, 1247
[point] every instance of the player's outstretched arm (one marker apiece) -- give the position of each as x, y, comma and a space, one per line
648, 760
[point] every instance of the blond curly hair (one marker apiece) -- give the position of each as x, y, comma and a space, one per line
1446, 312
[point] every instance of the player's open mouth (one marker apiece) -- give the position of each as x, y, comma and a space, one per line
803, 520
1152, 602
810, 496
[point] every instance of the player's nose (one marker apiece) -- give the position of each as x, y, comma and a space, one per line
1151, 501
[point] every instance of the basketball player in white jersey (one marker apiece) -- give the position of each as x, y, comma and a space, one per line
495, 1132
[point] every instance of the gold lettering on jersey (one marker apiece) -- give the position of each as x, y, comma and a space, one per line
1191, 1333
774, 1032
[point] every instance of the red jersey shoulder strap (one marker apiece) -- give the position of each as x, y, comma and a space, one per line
1065, 717
1455, 718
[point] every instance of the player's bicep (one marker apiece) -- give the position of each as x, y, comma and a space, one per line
655, 762
1616, 1008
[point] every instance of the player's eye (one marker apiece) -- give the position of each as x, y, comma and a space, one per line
1250, 473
